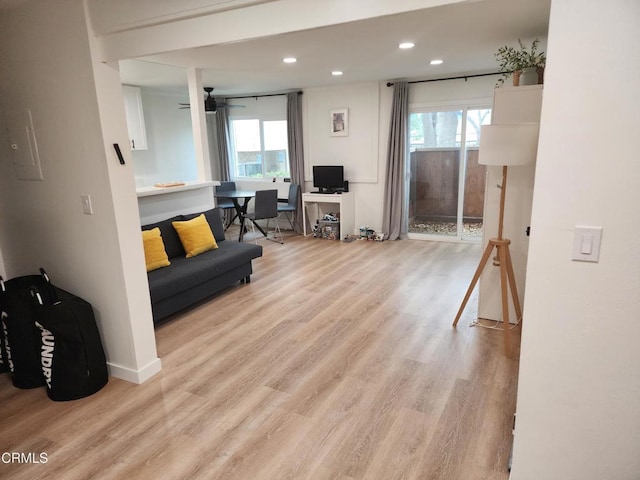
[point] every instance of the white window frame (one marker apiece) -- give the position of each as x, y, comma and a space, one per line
233, 153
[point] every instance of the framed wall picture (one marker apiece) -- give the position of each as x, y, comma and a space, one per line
339, 122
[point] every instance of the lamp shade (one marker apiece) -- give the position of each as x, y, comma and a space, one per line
508, 144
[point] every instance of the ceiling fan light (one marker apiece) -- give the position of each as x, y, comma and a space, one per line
210, 104
210, 107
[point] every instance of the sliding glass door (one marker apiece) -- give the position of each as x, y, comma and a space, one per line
446, 183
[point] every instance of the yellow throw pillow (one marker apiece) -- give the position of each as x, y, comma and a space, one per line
196, 235
155, 255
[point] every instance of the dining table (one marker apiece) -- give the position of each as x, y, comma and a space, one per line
240, 200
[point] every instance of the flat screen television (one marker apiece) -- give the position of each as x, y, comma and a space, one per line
328, 178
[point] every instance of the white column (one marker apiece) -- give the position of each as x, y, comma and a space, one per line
199, 124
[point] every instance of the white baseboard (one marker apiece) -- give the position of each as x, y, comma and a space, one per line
135, 376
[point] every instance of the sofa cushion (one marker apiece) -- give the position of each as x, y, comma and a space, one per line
214, 218
196, 235
186, 273
172, 244
155, 255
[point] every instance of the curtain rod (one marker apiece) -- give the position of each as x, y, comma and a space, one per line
390, 84
265, 95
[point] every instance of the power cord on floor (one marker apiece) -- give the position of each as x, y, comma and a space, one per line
495, 324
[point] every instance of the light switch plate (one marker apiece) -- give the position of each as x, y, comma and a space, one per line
86, 204
586, 244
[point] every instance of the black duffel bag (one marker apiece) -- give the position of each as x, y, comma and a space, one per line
20, 336
72, 358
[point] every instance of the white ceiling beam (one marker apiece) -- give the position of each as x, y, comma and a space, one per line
112, 16
254, 21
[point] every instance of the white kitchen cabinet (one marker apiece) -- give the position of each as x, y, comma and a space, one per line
135, 117
510, 105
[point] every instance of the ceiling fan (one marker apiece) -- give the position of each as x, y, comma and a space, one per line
210, 104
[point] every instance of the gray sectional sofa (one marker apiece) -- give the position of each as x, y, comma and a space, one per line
189, 280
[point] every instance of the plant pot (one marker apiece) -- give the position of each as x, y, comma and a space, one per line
540, 72
529, 76
516, 77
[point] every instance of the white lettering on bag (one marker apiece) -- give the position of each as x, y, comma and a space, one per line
6, 342
46, 353
2, 360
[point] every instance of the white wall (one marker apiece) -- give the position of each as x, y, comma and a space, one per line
171, 154
579, 387
41, 222
3, 271
359, 152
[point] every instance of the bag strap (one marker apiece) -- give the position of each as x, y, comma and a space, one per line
35, 293
53, 295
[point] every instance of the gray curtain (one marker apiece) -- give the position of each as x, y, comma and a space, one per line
394, 219
222, 132
296, 151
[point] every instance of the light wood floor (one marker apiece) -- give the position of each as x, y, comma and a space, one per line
338, 361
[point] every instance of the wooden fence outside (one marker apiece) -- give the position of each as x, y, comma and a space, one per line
433, 188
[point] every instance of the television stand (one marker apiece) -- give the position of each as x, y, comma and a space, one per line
327, 203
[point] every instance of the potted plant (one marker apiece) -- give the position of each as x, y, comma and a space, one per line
535, 60
514, 61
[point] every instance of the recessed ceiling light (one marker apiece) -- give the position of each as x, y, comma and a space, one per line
437, 61
290, 60
405, 45
336, 73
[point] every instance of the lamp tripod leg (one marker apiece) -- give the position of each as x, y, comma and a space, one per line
476, 277
512, 284
503, 254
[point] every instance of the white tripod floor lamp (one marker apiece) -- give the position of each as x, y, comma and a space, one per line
503, 145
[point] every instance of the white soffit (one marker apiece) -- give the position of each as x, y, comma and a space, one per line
111, 16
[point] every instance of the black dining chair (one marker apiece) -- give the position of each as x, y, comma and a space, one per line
292, 204
225, 203
266, 208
